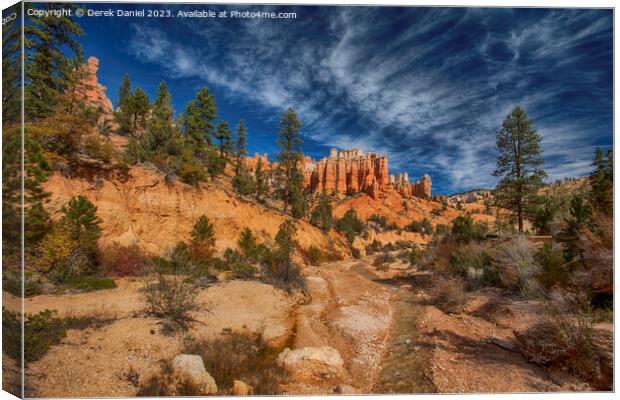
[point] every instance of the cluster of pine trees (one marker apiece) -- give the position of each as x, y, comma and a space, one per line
59, 127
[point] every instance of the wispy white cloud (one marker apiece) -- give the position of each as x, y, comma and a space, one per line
431, 96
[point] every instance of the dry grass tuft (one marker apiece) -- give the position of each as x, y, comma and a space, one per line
239, 356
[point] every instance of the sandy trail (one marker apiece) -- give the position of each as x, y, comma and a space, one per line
350, 313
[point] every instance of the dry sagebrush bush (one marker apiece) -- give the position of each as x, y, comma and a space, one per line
517, 265
448, 294
566, 338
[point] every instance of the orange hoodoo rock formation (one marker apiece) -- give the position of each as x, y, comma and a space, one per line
421, 188
94, 93
351, 171
347, 172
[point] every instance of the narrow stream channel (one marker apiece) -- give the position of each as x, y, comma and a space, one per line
404, 361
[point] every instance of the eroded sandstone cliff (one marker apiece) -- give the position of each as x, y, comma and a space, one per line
349, 172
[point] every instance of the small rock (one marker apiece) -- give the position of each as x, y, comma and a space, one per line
192, 365
311, 363
241, 388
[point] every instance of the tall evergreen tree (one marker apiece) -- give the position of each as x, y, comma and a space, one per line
123, 115
11, 70
322, 215
285, 246
240, 146
261, 187
52, 54
138, 105
290, 155
602, 180
37, 221
299, 203
198, 120
161, 128
222, 134
518, 164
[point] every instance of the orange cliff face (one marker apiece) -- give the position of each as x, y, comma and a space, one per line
349, 172
94, 93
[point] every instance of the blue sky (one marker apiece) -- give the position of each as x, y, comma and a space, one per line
429, 87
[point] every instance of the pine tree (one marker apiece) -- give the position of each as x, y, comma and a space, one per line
299, 203
240, 146
52, 54
580, 214
261, 187
138, 106
80, 221
290, 155
37, 220
601, 181
198, 121
518, 164
215, 163
222, 134
285, 246
11, 70
162, 140
202, 243
249, 246
322, 215
243, 182
123, 115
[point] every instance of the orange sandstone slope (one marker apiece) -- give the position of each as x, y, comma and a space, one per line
403, 210
146, 211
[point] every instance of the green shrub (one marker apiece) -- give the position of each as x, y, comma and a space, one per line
473, 262
11, 282
314, 256
238, 264
424, 227
41, 331
442, 229
202, 242
374, 247
464, 229
382, 222
414, 254
415, 226
553, 267
580, 218
91, 283
350, 225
